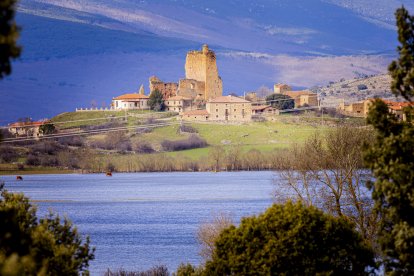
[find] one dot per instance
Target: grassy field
(266, 136)
(93, 118)
(11, 169)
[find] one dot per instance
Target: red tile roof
(294, 94)
(131, 97)
(228, 99)
(27, 124)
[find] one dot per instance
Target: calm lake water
(139, 220)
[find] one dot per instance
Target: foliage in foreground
(280, 101)
(327, 172)
(159, 270)
(9, 32)
(391, 159)
(49, 246)
(291, 239)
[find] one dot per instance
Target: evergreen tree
(280, 101)
(156, 100)
(391, 159)
(9, 33)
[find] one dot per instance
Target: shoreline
(59, 171)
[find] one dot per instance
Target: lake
(138, 220)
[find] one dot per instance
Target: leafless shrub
(187, 129)
(159, 270)
(143, 147)
(8, 154)
(208, 233)
(191, 142)
(74, 141)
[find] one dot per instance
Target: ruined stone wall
(168, 89)
(191, 88)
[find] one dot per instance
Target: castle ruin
(201, 82)
(201, 75)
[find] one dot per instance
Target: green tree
(402, 70)
(47, 129)
(280, 101)
(291, 239)
(156, 100)
(391, 159)
(9, 33)
(49, 246)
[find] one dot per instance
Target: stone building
(280, 88)
(31, 129)
(196, 115)
(130, 101)
(201, 76)
(303, 98)
(229, 108)
(178, 104)
(168, 89)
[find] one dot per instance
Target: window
(136, 104)
(234, 110)
(216, 110)
(216, 116)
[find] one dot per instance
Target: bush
(32, 160)
(143, 147)
(159, 270)
(187, 128)
(362, 87)
(188, 270)
(192, 142)
(8, 154)
(291, 239)
(46, 147)
(29, 246)
(74, 141)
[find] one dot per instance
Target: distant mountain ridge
(78, 51)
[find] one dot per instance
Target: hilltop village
(199, 96)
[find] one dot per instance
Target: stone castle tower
(201, 75)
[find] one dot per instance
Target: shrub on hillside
(8, 154)
(46, 147)
(362, 87)
(143, 147)
(32, 160)
(191, 142)
(74, 141)
(187, 129)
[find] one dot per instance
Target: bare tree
(216, 155)
(233, 157)
(327, 171)
(263, 91)
(209, 232)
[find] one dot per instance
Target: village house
(229, 108)
(399, 109)
(301, 98)
(130, 101)
(196, 115)
(264, 111)
(31, 129)
(361, 109)
(178, 104)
